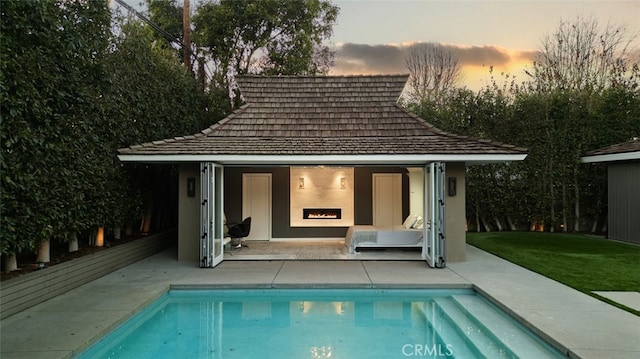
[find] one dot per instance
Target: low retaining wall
(18, 294)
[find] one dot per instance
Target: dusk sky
(372, 36)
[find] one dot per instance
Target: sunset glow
(373, 37)
(476, 61)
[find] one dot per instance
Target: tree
(257, 36)
(575, 65)
(151, 97)
(271, 37)
(275, 37)
(580, 55)
(433, 71)
(150, 92)
(167, 14)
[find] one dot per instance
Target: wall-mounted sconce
(342, 182)
(191, 186)
(301, 182)
(452, 186)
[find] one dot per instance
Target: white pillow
(419, 223)
(410, 221)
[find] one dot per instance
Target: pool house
(328, 157)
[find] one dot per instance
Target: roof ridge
(421, 120)
(231, 116)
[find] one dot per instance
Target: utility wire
(155, 26)
(164, 33)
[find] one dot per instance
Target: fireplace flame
(322, 215)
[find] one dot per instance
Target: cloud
(480, 55)
(367, 59)
(389, 58)
(528, 56)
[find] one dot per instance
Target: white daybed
(370, 236)
(409, 234)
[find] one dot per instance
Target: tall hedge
(72, 92)
(52, 79)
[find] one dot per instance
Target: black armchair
(240, 231)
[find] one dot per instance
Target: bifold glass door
(433, 248)
(211, 214)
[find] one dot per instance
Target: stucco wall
(455, 214)
(188, 215)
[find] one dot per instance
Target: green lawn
(583, 262)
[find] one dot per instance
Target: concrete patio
(579, 325)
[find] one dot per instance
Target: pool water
(321, 323)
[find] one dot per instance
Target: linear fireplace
(321, 213)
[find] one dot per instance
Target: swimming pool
(321, 323)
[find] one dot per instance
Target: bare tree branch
(433, 70)
(579, 56)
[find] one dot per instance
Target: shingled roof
(629, 150)
(319, 116)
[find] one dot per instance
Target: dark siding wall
(280, 204)
(624, 201)
(281, 196)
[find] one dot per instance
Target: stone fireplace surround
(323, 188)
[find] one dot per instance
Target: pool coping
(318, 286)
(557, 313)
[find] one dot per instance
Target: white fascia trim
(325, 159)
(626, 156)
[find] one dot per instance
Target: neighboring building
(623, 177)
(327, 143)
